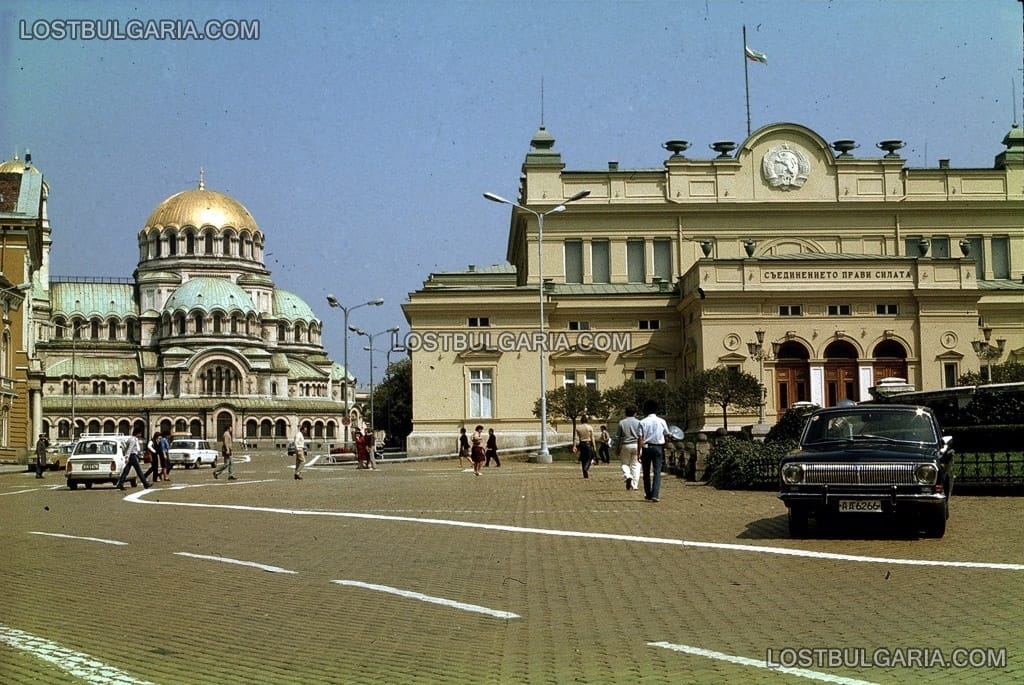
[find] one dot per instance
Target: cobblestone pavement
(528, 574)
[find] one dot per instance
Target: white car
(192, 452)
(97, 458)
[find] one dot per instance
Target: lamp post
(986, 351)
(758, 352)
(543, 456)
(333, 301)
(370, 349)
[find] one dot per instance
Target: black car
(869, 460)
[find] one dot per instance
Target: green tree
(570, 402)
(1007, 372)
(673, 401)
(392, 402)
(727, 388)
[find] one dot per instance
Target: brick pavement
(587, 607)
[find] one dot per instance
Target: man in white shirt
(655, 433)
(300, 452)
(627, 448)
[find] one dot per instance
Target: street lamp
(986, 351)
(370, 348)
(758, 352)
(333, 301)
(543, 456)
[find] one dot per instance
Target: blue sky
(361, 135)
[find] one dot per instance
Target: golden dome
(201, 207)
(17, 166)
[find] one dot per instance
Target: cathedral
(198, 339)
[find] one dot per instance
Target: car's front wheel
(73, 484)
(798, 520)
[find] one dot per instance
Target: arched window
(198, 318)
(218, 322)
(190, 243)
(112, 330)
(172, 243)
(208, 242)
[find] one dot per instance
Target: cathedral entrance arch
(792, 375)
(224, 420)
(841, 373)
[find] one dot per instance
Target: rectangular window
(839, 310)
(978, 254)
(569, 377)
(940, 248)
(639, 375)
(479, 321)
(573, 261)
(660, 375)
(950, 372)
(650, 324)
(592, 378)
(791, 310)
(635, 269)
(481, 393)
(1000, 257)
(887, 309)
(579, 325)
(600, 261)
(663, 259)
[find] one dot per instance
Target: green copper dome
(209, 294)
(291, 307)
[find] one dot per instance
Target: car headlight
(926, 474)
(793, 473)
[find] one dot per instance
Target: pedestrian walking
(371, 446)
(132, 460)
(360, 441)
(164, 452)
(604, 443)
(463, 446)
(627, 448)
(226, 453)
(300, 452)
(477, 452)
(652, 455)
(151, 454)
(41, 446)
(492, 448)
(584, 445)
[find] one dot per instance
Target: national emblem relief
(785, 168)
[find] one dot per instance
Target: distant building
(24, 243)
(847, 269)
(199, 338)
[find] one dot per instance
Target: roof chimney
(943, 163)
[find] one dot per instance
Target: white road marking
(724, 546)
(226, 560)
(427, 598)
(745, 661)
(77, 537)
(76, 663)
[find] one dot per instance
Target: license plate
(90, 467)
(871, 506)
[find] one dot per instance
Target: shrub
(742, 464)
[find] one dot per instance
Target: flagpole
(746, 76)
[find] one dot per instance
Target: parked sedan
(192, 452)
(869, 460)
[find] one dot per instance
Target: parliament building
(820, 271)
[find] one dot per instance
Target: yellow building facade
(786, 256)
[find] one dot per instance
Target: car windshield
(183, 444)
(910, 425)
